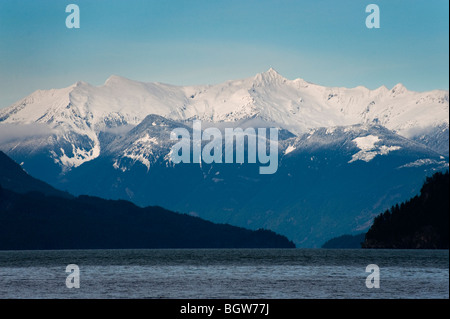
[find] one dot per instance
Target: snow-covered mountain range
(80, 112)
(344, 153)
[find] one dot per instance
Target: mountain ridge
(82, 111)
(13, 177)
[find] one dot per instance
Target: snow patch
(146, 140)
(289, 149)
(138, 157)
(367, 142)
(368, 149)
(142, 150)
(330, 130)
(425, 161)
(117, 166)
(80, 156)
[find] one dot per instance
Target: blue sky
(210, 41)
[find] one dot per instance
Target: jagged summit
(157, 120)
(270, 76)
(399, 88)
(80, 83)
(382, 88)
(271, 72)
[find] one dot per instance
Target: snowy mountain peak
(154, 120)
(272, 72)
(80, 83)
(398, 89)
(382, 89)
(270, 76)
(117, 80)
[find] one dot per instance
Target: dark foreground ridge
(34, 220)
(345, 242)
(421, 222)
(14, 178)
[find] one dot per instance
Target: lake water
(228, 273)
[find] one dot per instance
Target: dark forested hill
(36, 221)
(421, 222)
(34, 215)
(13, 177)
(345, 242)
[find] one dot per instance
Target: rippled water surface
(228, 273)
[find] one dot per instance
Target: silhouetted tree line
(421, 222)
(34, 215)
(345, 242)
(36, 221)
